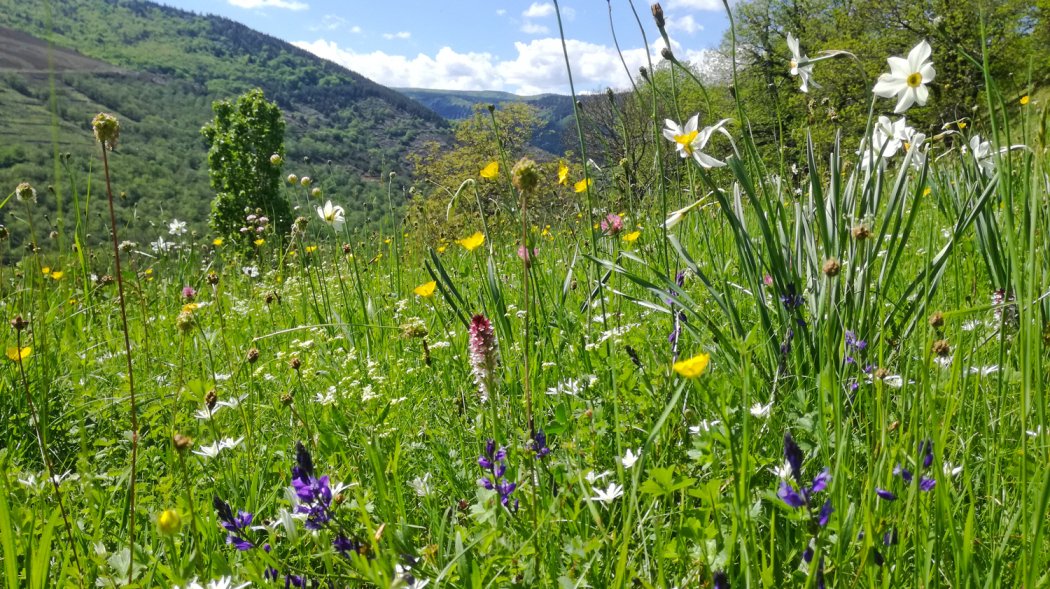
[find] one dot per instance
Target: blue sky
(476, 44)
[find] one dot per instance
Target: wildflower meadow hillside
(736, 354)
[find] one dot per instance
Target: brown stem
(131, 378)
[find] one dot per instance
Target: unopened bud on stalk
(107, 130)
(658, 15)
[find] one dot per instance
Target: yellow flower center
(915, 80)
(686, 141)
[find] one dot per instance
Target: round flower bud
(658, 15)
(832, 267)
(861, 232)
(305, 181)
(4, 233)
(107, 130)
(276, 159)
(25, 192)
(213, 278)
(18, 323)
(292, 178)
(211, 398)
(253, 355)
(524, 175)
(937, 320)
(185, 322)
(168, 522)
(296, 364)
(315, 192)
(182, 442)
(941, 348)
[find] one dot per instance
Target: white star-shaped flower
(908, 78)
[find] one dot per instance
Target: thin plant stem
(131, 376)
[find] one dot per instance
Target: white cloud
(398, 35)
(329, 22)
(538, 66)
(686, 24)
(285, 4)
(696, 4)
(355, 29)
(501, 11)
(531, 28)
(539, 10)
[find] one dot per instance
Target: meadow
(776, 368)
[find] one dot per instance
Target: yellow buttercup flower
(582, 185)
(692, 367)
(442, 248)
(563, 174)
(17, 355)
(632, 236)
(1024, 100)
(490, 171)
(169, 522)
(426, 289)
(57, 274)
(190, 307)
(217, 241)
(473, 242)
(259, 241)
(46, 270)
(311, 249)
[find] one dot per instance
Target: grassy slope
(159, 71)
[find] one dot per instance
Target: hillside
(554, 109)
(159, 69)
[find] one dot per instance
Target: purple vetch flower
(483, 354)
(539, 444)
(890, 537)
(236, 525)
(820, 574)
(344, 546)
(790, 298)
(820, 482)
(793, 455)
(790, 496)
(885, 494)
(802, 495)
(926, 449)
(495, 462)
(927, 484)
(825, 513)
(239, 543)
(314, 494)
(720, 580)
(903, 473)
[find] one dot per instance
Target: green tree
(243, 138)
(441, 169)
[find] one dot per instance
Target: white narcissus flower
(982, 153)
(690, 140)
(908, 78)
(887, 138)
(800, 65)
(177, 227)
(332, 214)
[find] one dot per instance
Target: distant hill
(555, 109)
(159, 69)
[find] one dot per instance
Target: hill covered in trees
(553, 110)
(159, 69)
